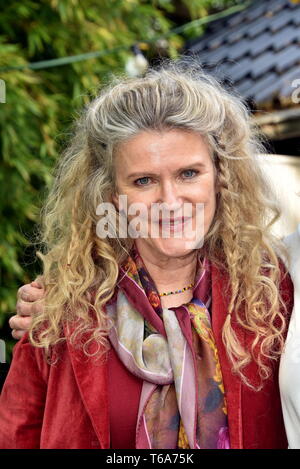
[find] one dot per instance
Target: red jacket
(66, 405)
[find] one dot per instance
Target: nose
(170, 194)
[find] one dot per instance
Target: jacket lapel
(232, 383)
(92, 379)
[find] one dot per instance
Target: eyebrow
(184, 168)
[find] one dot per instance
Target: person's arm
(23, 396)
(29, 301)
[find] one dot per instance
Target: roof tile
(256, 49)
(282, 19)
(265, 83)
(288, 57)
(287, 36)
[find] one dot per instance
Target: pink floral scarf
(173, 351)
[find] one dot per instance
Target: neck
(169, 273)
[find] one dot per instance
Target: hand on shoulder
(29, 302)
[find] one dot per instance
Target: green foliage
(41, 104)
(205, 7)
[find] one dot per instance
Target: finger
(30, 293)
(20, 323)
(11, 321)
(25, 308)
(18, 334)
(37, 283)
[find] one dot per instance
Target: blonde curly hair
(81, 269)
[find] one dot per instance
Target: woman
(289, 376)
(155, 340)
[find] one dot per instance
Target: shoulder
(292, 243)
(293, 240)
(33, 359)
(286, 288)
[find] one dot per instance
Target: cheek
(211, 199)
(137, 196)
(206, 194)
(130, 195)
(134, 197)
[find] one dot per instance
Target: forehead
(157, 149)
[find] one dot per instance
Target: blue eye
(141, 183)
(189, 171)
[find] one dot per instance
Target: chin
(174, 247)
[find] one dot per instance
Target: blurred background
(56, 54)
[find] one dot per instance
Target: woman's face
(173, 167)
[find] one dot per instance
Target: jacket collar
(232, 383)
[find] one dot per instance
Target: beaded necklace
(177, 291)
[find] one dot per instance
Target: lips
(174, 221)
(173, 225)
